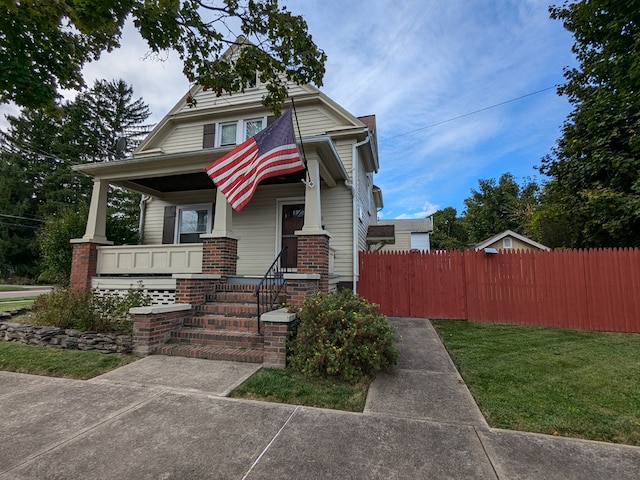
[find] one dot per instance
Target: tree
(595, 166)
(46, 43)
(37, 180)
(449, 231)
(501, 206)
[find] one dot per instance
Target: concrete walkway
(168, 417)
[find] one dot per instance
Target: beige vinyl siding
(209, 99)
(336, 218)
(187, 137)
(154, 211)
(403, 243)
(183, 138)
(256, 227)
(314, 121)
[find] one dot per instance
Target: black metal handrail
(269, 288)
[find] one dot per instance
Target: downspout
(355, 157)
(143, 209)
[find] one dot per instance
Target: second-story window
(251, 127)
(228, 134)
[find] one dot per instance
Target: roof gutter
(355, 157)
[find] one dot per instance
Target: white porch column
(312, 207)
(97, 221)
(222, 220)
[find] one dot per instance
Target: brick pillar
(298, 289)
(275, 326)
(84, 266)
(219, 256)
(313, 257)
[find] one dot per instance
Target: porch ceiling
(165, 173)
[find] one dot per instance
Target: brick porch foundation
(84, 266)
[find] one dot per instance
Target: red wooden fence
(584, 289)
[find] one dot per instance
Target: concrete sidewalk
(167, 417)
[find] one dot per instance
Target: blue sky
(416, 64)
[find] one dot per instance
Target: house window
(228, 134)
(234, 133)
(192, 220)
(507, 243)
(253, 83)
(251, 127)
(420, 241)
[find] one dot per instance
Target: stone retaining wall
(64, 338)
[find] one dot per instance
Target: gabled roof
(510, 233)
(413, 225)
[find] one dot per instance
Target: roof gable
(510, 233)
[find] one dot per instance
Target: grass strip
(53, 362)
(14, 303)
(287, 386)
(11, 288)
(559, 382)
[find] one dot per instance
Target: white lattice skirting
(161, 290)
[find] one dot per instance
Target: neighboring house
(509, 240)
(189, 234)
(408, 234)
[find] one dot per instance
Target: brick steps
(228, 338)
(229, 309)
(211, 352)
(225, 328)
(223, 322)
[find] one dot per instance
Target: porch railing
(149, 259)
(269, 287)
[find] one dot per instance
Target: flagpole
(304, 155)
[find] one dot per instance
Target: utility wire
(18, 225)
(32, 219)
(471, 113)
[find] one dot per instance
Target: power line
(32, 219)
(18, 225)
(472, 113)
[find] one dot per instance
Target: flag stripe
(266, 170)
(270, 152)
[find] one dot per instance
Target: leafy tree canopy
(499, 206)
(37, 180)
(595, 167)
(449, 230)
(45, 43)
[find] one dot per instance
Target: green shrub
(341, 335)
(86, 311)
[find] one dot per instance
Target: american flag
(268, 153)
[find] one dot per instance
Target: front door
(292, 220)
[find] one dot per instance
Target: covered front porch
(238, 247)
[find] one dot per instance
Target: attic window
(507, 243)
(253, 83)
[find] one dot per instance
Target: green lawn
(286, 386)
(559, 382)
(11, 288)
(52, 362)
(14, 303)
